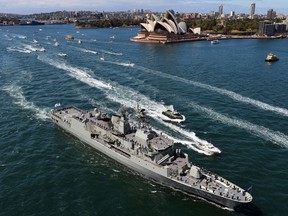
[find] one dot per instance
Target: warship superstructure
(152, 154)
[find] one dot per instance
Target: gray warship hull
(140, 165)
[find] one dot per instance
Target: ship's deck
(208, 182)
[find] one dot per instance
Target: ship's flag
(57, 105)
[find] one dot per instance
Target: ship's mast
(141, 117)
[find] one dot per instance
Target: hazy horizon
(188, 6)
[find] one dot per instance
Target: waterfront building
(266, 28)
(165, 29)
(252, 10)
(269, 28)
(280, 27)
(286, 23)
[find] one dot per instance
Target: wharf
(209, 38)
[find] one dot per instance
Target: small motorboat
(171, 115)
(214, 41)
(62, 54)
(207, 147)
(69, 37)
(271, 57)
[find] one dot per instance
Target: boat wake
(87, 51)
(18, 36)
(80, 74)
(107, 52)
(125, 64)
(19, 99)
(111, 53)
(231, 94)
(18, 49)
(197, 144)
(130, 98)
(101, 51)
(25, 48)
(265, 133)
(120, 63)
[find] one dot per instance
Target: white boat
(172, 115)
(102, 59)
(34, 41)
(271, 57)
(214, 41)
(62, 54)
(79, 41)
(129, 64)
(207, 147)
(56, 44)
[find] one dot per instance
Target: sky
(188, 6)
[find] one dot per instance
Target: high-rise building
(220, 10)
(271, 14)
(252, 10)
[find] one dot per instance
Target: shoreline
(223, 37)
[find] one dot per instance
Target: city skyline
(189, 6)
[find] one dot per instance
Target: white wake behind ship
(150, 153)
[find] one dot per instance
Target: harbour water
(229, 95)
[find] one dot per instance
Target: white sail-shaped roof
(170, 16)
(182, 27)
(147, 27)
(155, 18)
(172, 24)
(165, 25)
(167, 22)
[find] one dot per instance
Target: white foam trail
(125, 64)
(125, 96)
(265, 133)
(187, 143)
(18, 36)
(87, 51)
(17, 49)
(79, 74)
(111, 53)
(231, 94)
(120, 63)
(111, 62)
(188, 134)
(130, 98)
(33, 48)
(102, 51)
(16, 92)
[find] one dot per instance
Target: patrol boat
(152, 154)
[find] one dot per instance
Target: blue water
(229, 95)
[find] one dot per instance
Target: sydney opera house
(165, 29)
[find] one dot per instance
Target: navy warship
(152, 154)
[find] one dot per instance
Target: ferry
(271, 57)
